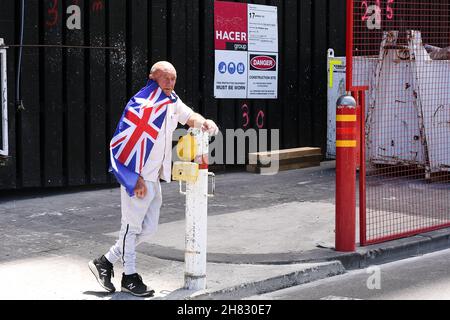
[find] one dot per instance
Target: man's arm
(198, 121)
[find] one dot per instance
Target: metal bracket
(181, 188)
(4, 161)
(213, 184)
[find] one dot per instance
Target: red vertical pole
(362, 170)
(349, 46)
(346, 144)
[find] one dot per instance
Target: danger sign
(262, 62)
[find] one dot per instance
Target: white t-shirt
(159, 163)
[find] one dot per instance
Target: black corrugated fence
(75, 83)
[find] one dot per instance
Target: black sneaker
(133, 284)
(103, 271)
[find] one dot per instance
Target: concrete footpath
(265, 233)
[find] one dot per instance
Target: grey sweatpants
(140, 219)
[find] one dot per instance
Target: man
(155, 111)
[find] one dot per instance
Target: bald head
(162, 66)
(165, 75)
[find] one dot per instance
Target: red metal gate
(398, 58)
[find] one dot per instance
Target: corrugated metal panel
(73, 96)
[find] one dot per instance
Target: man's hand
(210, 127)
(197, 121)
(141, 189)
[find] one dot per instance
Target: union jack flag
(137, 132)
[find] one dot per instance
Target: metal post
(196, 218)
(346, 144)
(3, 101)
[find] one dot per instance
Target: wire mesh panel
(399, 52)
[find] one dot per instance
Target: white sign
(262, 75)
(262, 28)
(246, 43)
(231, 74)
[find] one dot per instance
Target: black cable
(59, 46)
(19, 102)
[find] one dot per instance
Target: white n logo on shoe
(104, 272)
(131, 286)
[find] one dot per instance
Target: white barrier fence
(408, 104)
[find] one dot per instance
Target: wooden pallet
(288, 159)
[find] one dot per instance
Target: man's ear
(155, 75)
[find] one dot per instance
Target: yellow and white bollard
(196, 175)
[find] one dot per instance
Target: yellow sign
(333, 62)
(185, 171)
